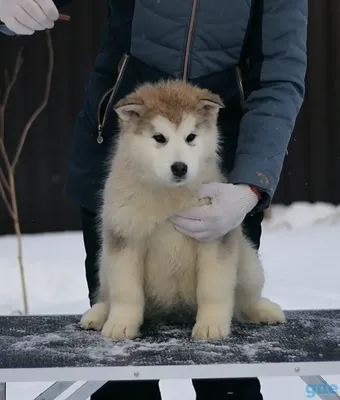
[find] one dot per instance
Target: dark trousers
(206, 389)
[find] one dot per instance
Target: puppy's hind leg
(250, 306)
(216, 279)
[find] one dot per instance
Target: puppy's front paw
(210, 331)
(95, 317)
(120, 330)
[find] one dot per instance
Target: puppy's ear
(211, 103)
(130, 107)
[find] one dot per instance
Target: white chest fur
(170, 269)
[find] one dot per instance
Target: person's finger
(189, 225)
(200, 236)
(49, 9)
(195, 213)
(38, 15)
(25, 19)
(15, 26)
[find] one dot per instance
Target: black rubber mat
(58, 341)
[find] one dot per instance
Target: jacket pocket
(106, 101)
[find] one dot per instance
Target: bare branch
(2, 122)
(10, 82)
(3, 180)
(64, 17)
(38, 111)
(19, 237)
(4, 198)
(8, 183)
(4, 155)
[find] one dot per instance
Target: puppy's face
(169, 131)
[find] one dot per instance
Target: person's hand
(24, 17)
(229, 206)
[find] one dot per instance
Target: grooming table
(54, 348)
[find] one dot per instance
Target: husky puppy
(167, 147)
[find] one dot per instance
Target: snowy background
(300, 252)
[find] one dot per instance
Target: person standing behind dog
(252, 53)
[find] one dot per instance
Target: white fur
(156, 268)
(154, 165)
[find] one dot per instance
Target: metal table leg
(2, 390)
(54, 391)
(316, 384)
(86, 390)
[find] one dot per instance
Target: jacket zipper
(113, 91)
(240, 85)
(189, 38)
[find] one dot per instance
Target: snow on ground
(300, 253)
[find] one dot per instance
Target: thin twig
(3, 180)
(64, 17)
(2, 123)
(9, 86)
(10, 82)
(38, 111)
(4, 198)
(4, 155)
(19, 238)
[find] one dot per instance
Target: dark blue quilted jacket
(256, 64)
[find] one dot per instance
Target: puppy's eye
(190, 138)
(160, 138)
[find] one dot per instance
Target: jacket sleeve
(277, 68)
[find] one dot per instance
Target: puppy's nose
(179, 169)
